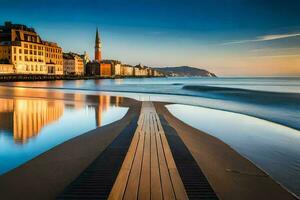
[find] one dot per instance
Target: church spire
(97, 47)
(97, 41)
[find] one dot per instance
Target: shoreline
(230, 174)
(43, 77)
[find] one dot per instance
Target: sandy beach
(230, 175)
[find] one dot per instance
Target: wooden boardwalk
(148, 170)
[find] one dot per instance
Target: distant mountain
(185, 71)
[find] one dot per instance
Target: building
(73, 64)
(23, 48)
(111, 68)
(105, 70)
(92, 69)
(54, 58)
(98, 52)
(117, 69)
(140, 70)
(86, 59)
(126, 70)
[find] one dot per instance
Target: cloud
(263, 38)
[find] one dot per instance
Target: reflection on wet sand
(25, 118)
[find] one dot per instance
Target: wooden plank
(167, 188)
(156, 188)
(119, 186)
(132, 187)
(145, 184)
(177, 183)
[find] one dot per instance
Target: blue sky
(228, 37)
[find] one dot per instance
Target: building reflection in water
(25, 118)
(102, 103)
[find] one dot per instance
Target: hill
(185, 71)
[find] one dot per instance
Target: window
(20, 58)
(30, 46)
(20, 50)
(25, 51)
(25, 45)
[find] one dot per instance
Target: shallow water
(272, 147)
(282, 106)
(30, 126)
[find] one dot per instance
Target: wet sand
(230, 175)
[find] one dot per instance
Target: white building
(73, 64)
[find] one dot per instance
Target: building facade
(53, 58)
(73, 64)
(126, 70)
(23, 48)
(105, 69)
(92, 69)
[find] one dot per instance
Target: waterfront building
(92, 68)
(54, 58)
(117, 69)
(111, 68)
(126, 70)
(86, 58)
(140, 70)
(73, 64)
(23, 48)
(105, 69)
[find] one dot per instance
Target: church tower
(98, 56)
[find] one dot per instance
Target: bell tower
(98, 56)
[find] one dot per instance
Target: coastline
(231, 175)
(29, 78)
